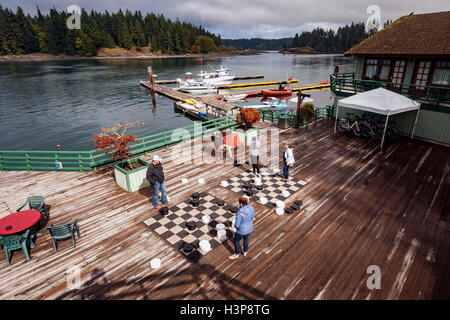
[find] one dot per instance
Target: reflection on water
(43, 104)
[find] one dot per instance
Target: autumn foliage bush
(116, 142)
(307, 112)
(247, 117)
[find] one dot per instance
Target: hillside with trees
(318, 40)
(48, 33)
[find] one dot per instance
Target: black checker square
(182, 234)
(186, 216)
(197, 233)
(172, 227)
(273, 186)
(155, 225)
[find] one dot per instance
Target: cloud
(252, 18)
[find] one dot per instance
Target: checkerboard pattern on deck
(272, 187)
(172, 227)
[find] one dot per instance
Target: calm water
(43, 104)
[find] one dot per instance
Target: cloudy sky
(252, 18)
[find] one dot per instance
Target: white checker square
(173, 239)
(161, 230)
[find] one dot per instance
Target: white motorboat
(196, 87)
(275, 103)
(305, 100)
(235, 97)
(220, 76)
(256, 106)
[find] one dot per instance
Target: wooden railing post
(2, 167)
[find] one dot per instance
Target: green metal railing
(273, 116)
(90, 160)
(45, 160)
(346, 84)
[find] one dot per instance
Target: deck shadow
(98, 287)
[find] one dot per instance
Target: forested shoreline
(22, 34)
(318, 40)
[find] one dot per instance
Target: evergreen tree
(56, 32)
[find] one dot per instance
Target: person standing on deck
(244, 226)
(254, 155)
(217, 140)
(288, 158)
(155, 175)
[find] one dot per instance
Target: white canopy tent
(380, 101)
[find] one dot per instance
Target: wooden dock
(363, 206)
(237, 78)
(213, 107)
(305, 88)
(312, 87)
(256, 84)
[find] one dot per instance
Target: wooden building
(410, 56)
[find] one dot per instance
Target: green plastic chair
(36, 203)
(63, 232)
(17, 242)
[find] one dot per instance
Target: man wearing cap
(155, 175)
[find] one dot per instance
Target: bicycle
(350, 124)
(373, 126)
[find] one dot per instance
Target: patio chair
(17, 242)
(63, 232)
(36, 203)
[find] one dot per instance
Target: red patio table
(232, 140)
(19, 221)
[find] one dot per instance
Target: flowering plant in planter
(115, 141)
(247, 117)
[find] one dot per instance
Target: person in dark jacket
(217, 140)
(244, 226)
(155, 175)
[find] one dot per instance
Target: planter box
(132, 180)
(247, 135)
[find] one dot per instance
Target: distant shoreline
(40, 57)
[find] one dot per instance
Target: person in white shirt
(254, 155)
(288, 159)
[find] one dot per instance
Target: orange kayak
(272, 93)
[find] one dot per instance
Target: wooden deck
(363, 206)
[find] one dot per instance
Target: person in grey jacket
(244, 226)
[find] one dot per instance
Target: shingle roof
(422, 35)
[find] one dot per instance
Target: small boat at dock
(196, 87)
(220, 76)
(276, 93)
(197, 110)
(235, 97)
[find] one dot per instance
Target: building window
(422, 73)
(398, 72)
(378, 69)
(441, 74)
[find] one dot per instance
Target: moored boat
(235, 97)
(196, 87)
(276, 93)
